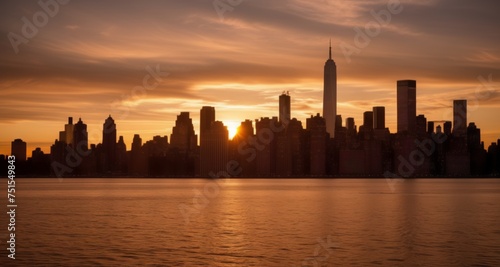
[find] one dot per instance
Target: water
(118, 222)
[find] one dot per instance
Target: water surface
(256, 222)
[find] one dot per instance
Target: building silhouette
(66, 136)
(207, 118)
(121, 156)
(109, 145)
(297, 137)
(330, 94)
(379, 118)
(460, 118)
(350, 126)
(183, 137)
(242, 151)
(80, 136)
(183, 146)
(316, 127)
(216, 147)
(368, 119)
(447, 128)
(137, 159)
(406, 105)
(283, 153)
(284, 108)
(18, 149)
(266, 146)
(421, 126)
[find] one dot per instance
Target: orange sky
(88, 59)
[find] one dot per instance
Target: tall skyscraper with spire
(330, 94)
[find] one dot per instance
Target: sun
(232, 128)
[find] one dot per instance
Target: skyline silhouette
(281, 146)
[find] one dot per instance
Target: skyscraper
(407, 105)
(368, 120)
(421, 125)
(460, 118)
(138, 160)
(109, 144)
(284, 116)
(121, 155)
(68, 132)
(266, 154)
(330, 94)
(183, 137)
(80, 136)
(216, 146)
(317, 143)
(18, 149)
(207, 118)
(379, 118)
(247, 161)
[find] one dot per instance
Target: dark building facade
(406, 105)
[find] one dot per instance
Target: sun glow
(232, 128)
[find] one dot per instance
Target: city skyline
(237, 64)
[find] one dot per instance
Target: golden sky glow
(88, 58)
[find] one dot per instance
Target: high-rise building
(316, 127)
(80, 136)
(366, 129)
(18, 149)
(138, 163)
(368, 120)
(239, 143)
(266, 151)
(207, 118)
(349, 124)
(460, 118)
(67, 136)
(298, 143)
(330, 94)
(473, 137)
(283, 154)
(216, 146)
(245, 130)
(430, 127)
(447, 128)
(121, 155)
(109, 144)
(407, 105)
(421, 125)
(378, 118)
(136, 143)
(284, 106)
(183, 137)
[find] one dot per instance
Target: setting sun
(232, 128)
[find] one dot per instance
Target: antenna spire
(330, 48)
